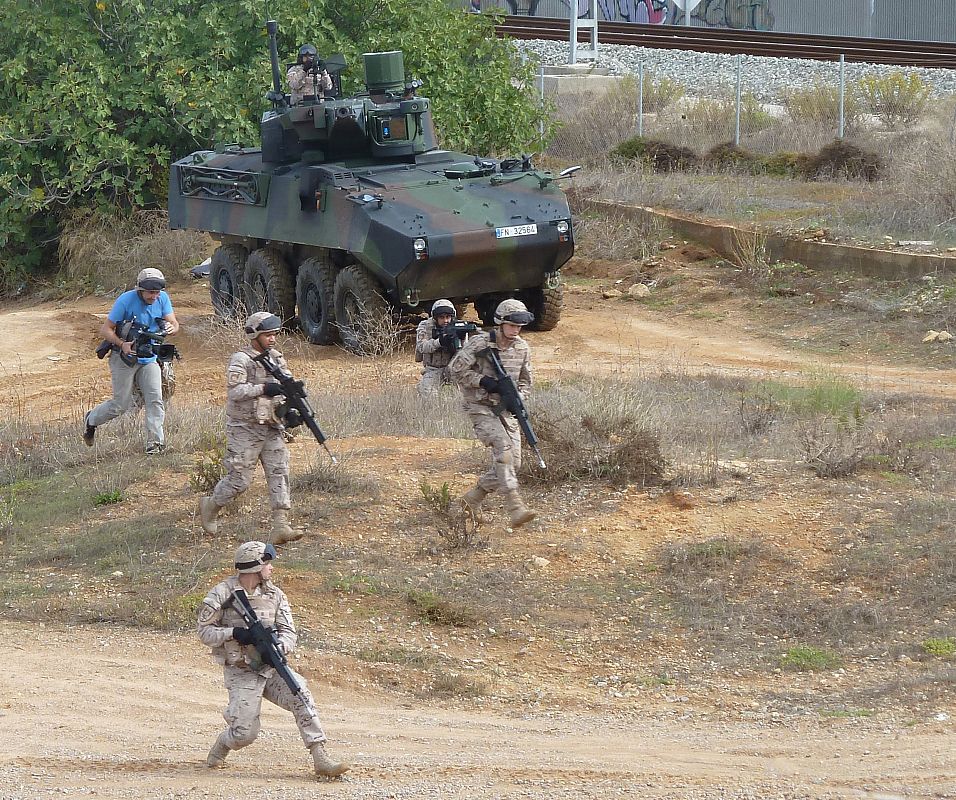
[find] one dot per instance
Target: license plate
(516, 230)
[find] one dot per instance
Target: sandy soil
(102, 712)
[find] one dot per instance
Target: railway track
(759, 43)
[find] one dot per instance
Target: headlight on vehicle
(563, 226)
(564, 230)
(421, 249)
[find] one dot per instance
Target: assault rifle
(453, 334)
(511, 401)
(298, 410)
(266, 643)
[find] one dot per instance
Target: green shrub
(783, 164)
(209, 466)
(897, 99)
(804, 658)
(940, 647)
(437, 498)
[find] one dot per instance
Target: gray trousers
(246, 690)
(148, 378)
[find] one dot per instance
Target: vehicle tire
(361, 312)
(546, 305)
(225, 280)
(315, 293)
(268, 284)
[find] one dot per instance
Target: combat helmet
(252, 556)
(307, 50)
(150, 280)
(261, 322)
(513, 311)
(443, 307)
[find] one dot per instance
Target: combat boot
(282, 531)
(519, 513)
(208, 511)
(217, 756)
(473, 498)
(325, 767)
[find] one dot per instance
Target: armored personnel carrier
(350, 211)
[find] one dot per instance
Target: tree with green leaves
(97, 97)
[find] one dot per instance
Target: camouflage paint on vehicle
(363, 178)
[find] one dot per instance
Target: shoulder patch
(207, 613)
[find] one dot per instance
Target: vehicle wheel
(546, 305)
(315, 293)
(268, 284)
(361, 311)
(225, 280)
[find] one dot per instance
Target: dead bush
(728, 156)
(835, 448)
(842, 159)
(661, 156)
(614, 450)
(820, 104)
(106, 250)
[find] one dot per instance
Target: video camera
(453, 335)
(146, 345)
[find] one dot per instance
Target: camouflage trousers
(433, 378)
(245, 446)
(503, 436)
(247, 688)
(147, 378)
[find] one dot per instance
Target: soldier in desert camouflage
(248, 680)
(472, 371)
(434, 354)
(253, 431)
(305, 79)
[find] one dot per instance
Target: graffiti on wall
(648, 12)
(740, 14)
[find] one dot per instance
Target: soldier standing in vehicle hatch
(305, 80)
(473, 372)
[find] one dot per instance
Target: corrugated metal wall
(931, 20)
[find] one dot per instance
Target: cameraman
(435, 353)
(147, 305)
(306, 79)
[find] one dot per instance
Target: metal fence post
(640, 99)
(737, 121)
(541, 97)
(842, 96)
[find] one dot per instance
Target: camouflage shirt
(300, 83)
(217, 618)
(428, 350)
(469, 366)
(244, 379)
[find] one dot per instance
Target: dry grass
(104, 252)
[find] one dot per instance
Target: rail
(939, 55)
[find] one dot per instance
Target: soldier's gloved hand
(297, 386)
(490, 385)
(272, 389)
(242, 635)
(448, 341)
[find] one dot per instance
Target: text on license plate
(515, 230)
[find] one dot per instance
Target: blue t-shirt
(130, 305)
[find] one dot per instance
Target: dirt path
(93, 712)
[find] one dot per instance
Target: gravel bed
(715, 74)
